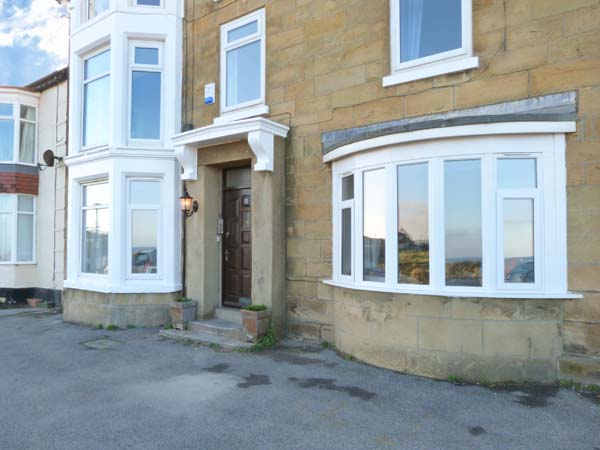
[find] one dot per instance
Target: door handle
(226, 255)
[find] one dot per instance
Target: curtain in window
(411, 23)
(25, 237)
(5, 236)
(27, 147)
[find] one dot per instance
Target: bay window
(243, 62)
(96, 85)
(470, 216)
(18, 133)
(17, 228)
(95, 228)
(428, 38)
(146, 91)
(144, 224)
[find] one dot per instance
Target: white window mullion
(436, 223)
(358, 221)
(488, 223)
(391, 238)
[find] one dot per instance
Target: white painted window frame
(337, 219)
(129, 228)
(433, 65)
(16, 118)
(84, 82)
(157, 68)
(86, 11)
(82, 208)
(253, 107)
(549, 214)
(15, 213)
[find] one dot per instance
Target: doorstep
(211, 332)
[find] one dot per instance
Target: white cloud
(43, 24)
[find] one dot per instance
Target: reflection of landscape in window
(95, 251)
(462, 216)
(518, 241)
(413, 225)
(374, 226)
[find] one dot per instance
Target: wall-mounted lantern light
(188, 205)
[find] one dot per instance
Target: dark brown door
(237, 247)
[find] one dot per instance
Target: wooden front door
(237, 247)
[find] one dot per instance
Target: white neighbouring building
(124, 246)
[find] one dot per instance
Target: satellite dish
(49, 158)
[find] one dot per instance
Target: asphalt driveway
(69, 387)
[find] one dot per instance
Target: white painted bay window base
(509, 241)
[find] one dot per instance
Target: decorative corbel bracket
(262, 144)
(188, 158)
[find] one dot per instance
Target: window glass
(348, 187)
(462, 197)
(6, 109)
(95, 229)
(95, 194)
(518, 240)
(347, 241)
(27, 144)
(5, 230)
(97, 65)
(413, 224)
(374, 226)
(25, 203)
(517, 173)
(148, 2)
(242, 32)
(144, 192)
(238, 178)
(244, 74)
(95, 7)
(145, 105)
(28, 113)
(7, 139)
(144, 232)
(429, 27)
(25, 237)
(96, 100)
(145, 55)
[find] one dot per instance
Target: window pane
(6, 109)
(516, 173)
(148, 2)
(145, 105)
(428, 27)
(243, 31)
(243, 74)
(238, 178)
(348, 187)
(144, 193)
(97, 65)
(95, 7)
(144, 229)
(95, 241)
(5, 234)
(518, 240)
(95, 194)
(144, 55)
(27, 145)
(7, 140)
(27, 112)
(462, 194)
(25, 237)
(347, 241)
(413, 224)
(374, 225)
(25, 203)
(95, 112)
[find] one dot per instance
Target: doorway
(237, 237)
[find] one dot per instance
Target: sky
(34, 40)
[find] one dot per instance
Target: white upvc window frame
(82, 209)
(16, 119)
(337, 220)
(441, 63)
(157, 68)
(129, 207)
(257, 106)
(86, 11)
(549, 214)
(15, 213)
(84, 82)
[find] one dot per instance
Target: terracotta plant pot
(183, 313)
(256, 323)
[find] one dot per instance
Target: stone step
(229, 314)
(205, 339)
(218, 327)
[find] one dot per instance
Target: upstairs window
(96, 86)
(428, 38)
(146, 92)
(243, 62)
(147, 2)
(96, 7)
(17, 229)
(18, 133)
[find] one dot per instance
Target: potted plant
(183, 311)
(256, 320)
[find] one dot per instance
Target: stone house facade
(384, 129)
